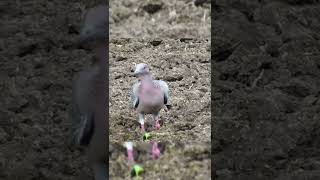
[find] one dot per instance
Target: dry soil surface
(38, 63)
(186, 69)
(266, 89)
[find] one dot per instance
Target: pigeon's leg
(141, 121)
(156, 119)
(155, 150)
(130, 155)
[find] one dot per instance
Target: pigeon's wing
(165, 89)
(134, 95)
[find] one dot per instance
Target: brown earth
(159, 19)
(173, 38)
(266, 89)
(185, 67)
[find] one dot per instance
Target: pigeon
(149, 96)
(89, 98)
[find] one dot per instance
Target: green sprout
(137, 170)
(146, 136)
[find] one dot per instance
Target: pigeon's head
(141, 69)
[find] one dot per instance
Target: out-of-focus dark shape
(95, 27)
(90, 93)
(201, 2)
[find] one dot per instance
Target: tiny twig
(254, 84)
(204, 16)
(191, 86)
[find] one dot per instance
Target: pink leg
(130, 155)
(142, 127)
(155, 151)
(157, 124)
(141, 121)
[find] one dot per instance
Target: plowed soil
(38, 63)
(266, 89)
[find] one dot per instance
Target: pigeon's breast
(151, 100)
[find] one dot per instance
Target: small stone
(156, 42)
(152, 7)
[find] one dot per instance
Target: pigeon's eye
(144, 67)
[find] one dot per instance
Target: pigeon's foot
(156, 155)
(155, 151)
(142, 128)
(130, 155)
(157, 125)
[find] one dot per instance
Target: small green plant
(137, 170)
(146, 136)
